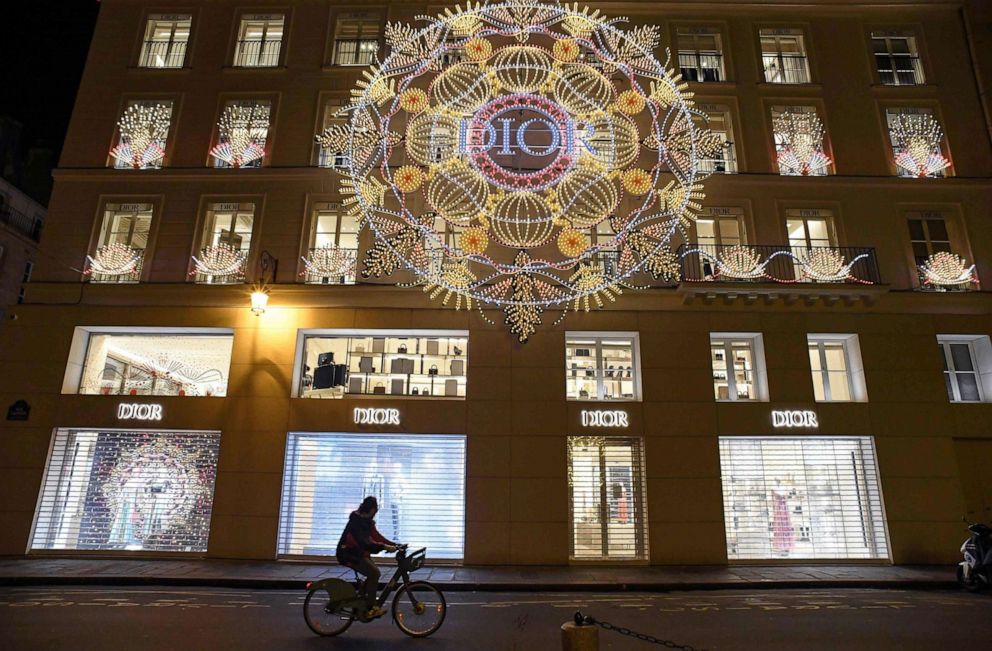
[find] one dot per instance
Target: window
(835, 363)
(121, 243)
(424, 364)
(28, 270)
(259, 41)
(225, 243)
(809, 228)
(356, 39)
(418, 479)
(802, 498)
(738, 366)
(607, 510)
(897, 59)
(242, 133)
(800, 145)
(919, 147)
(928, 235)
(166, 38)
(783, 56)
(324, 157)
(142, 134)
(149, 362)
(700, 54)
(333, 253)
(720, 123)
(967, 364)
(602, 366)
(121, 490)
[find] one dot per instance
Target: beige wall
(515, 416)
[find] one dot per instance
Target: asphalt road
(125, 619)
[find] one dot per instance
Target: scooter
(975, 571)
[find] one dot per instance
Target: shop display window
(601, 367)
(115, 490)
(608, 513)
(418, 480)
(162, 362)
(802, 498)
(431, 365)
(738, 366)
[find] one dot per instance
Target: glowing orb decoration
(526, 145)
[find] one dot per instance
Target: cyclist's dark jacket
(360, 540)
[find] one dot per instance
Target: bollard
(576, 636)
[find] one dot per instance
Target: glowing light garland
(743, 263)
(917, 140)
(801, 152)
(114, 259)
(144, 129)
(943, 269)
(330, 261)
(525, 146)
(242, 134)
(220, 260)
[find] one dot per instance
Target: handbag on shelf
(582, 352)
(359, 348)
(433, 345)
(397, 365)
(432, 370)
(590, 373)
(458, 351)
(402, 349)
(458, 367)
(415, 391)
(378, 344)
(365, 365)
(396, 387)
(451, 387)
(379, 388)
(355, 385)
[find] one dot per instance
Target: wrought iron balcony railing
(899, 70)
(163, 54)
(257, 53)
(741, 263)
(330, 265)
(946, 272)
(115, 264)
(220, 264)
(781, 68)
(701, 66)
(27, 226)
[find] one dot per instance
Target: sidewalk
(294, 575)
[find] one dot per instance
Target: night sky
(44, 48)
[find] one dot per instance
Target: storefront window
(427, 365)
(419, 481)
(606, 498)
(601, 367)
(122, 363)
(738, 366)
(109, 490)
(802, 498)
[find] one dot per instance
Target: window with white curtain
(802, 498)
(166, 38)
(418, 480)
(608, 512)
(127, 490)
(837, 371)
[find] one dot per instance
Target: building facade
(21, 221)
(814, 383)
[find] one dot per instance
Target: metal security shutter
(418, 479)
(802, 498)
(607, 509)
(127, 490)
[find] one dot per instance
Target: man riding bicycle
(359, 541)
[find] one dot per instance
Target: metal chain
(581, 619)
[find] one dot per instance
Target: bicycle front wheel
(419, 609)
(322, 615)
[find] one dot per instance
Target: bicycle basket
(415, 561)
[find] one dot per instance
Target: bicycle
(418, 609)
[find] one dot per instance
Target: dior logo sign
(794, 419)
(599, 418)
(127, 411)
(376, 416)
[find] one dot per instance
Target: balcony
(946, 272)
(219, 264)
(778, 271)
(701, 66)
(726, 163)
(163, 54)
(899, 70)
(29, 227)
(783, 68)
(115, 264)
(330, 265)
(257, 53)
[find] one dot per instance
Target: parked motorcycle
(975, 571)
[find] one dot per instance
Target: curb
(461, 586)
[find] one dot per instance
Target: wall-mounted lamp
(259, 301)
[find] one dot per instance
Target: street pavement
(193, 618)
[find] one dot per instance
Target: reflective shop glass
(802, 498)
(600, 368)
(156, 364)
(111, 490)
(606, 498)
(419, 481)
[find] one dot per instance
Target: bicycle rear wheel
(322, 615)
(419, 609)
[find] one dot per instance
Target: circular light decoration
(522, 148)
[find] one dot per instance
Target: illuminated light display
(329, 261)
(114, 259)
(220, 260)
(944, 269)
(743, 263)
(604, 418)
(794, 418)
(917, 139)
(801, 151)
(243, 131)
(144, 129)
(524, 148)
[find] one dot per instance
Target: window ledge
(812, 85)
(903, 87)
(787, 293)
(280, 67)
(159, 69)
